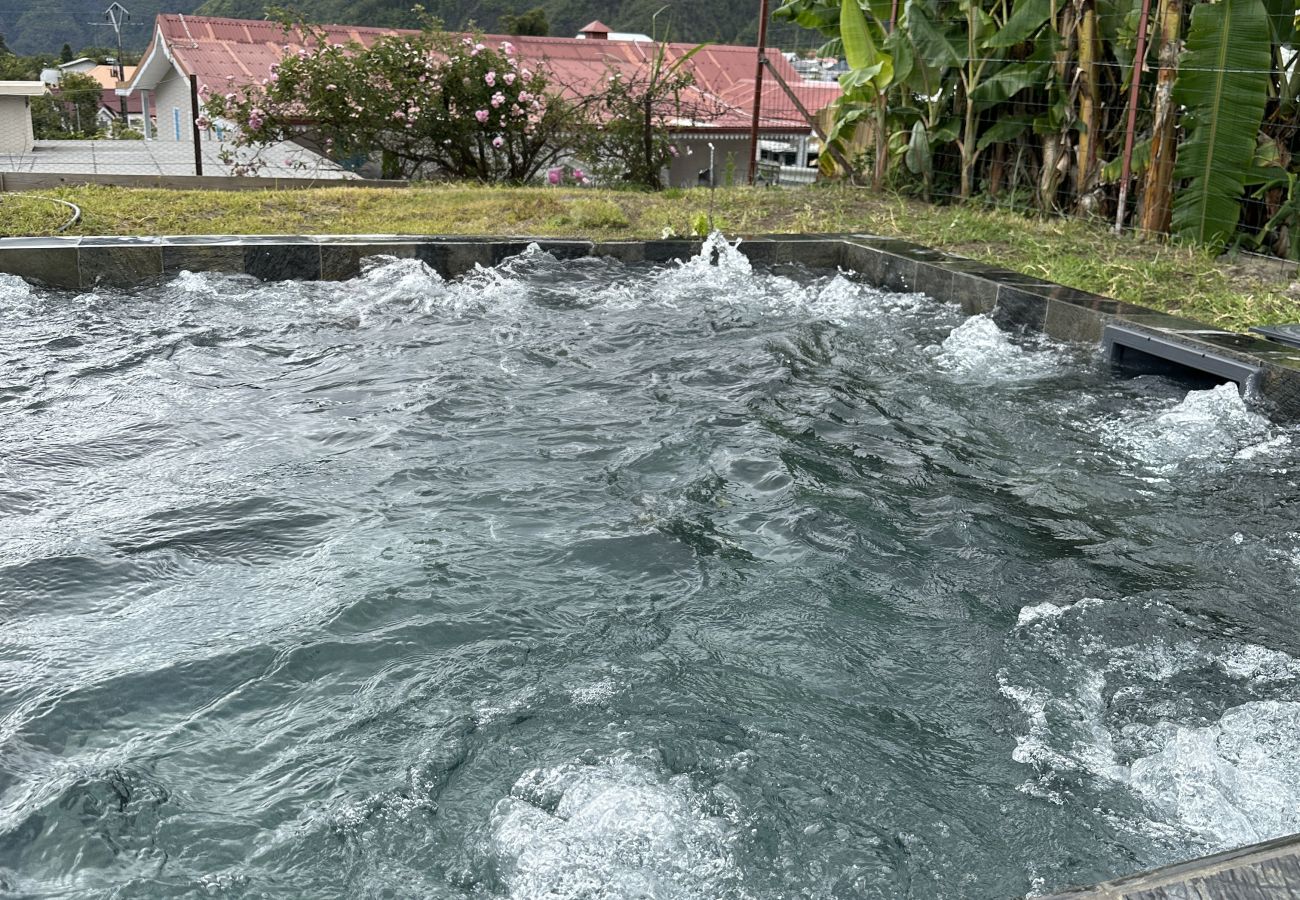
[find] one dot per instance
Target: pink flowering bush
(432, 105)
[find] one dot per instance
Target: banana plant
(1223, 83)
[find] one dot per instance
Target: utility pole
(758, 90)
(117, 16)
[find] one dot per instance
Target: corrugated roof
(218, 50)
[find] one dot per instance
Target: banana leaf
(1005, 130)
(1027, 16)
(935, 46)
(868, 65)
(1223, 82)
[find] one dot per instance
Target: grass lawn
(1225, 292)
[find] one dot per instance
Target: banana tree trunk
(1086, 171)
(882, 142)
(1158, 192)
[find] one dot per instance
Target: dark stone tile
(503, 250)
(202, 258)
(1280, 388)
(975, 294)
(119, 266)
(567, 249)
(816, 254)
(188, 240)
(339, 262)
(764, 252)
(896, 273)
(54, 266)
(862, 259)
(935, 281)
(666, 251)
(120, 241)
(1018, 308)
(452, 259)
(623, 251)
(1073, 322)
(1148, 318)
(281, 262)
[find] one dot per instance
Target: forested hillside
(44, 26)
(728, 21)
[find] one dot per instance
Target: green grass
(1177, 279)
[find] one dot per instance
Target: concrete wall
(15, 124)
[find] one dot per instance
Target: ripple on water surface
(572, 579)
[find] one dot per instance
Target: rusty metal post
(758, 90)
(1138, 59)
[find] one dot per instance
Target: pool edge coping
(1015, 301)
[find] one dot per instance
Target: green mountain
(727, 21)
(44, 26)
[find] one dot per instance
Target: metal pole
(812, 122)
(758, 90)
(194, 124)
(1135, 82)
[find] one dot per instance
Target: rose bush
(429, 105)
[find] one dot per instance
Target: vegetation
(44, 26)
(1029, 99)
(1180, 279)
(447, 106)
(69, 112)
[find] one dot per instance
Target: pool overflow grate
(1283, 334)
(1139, 353)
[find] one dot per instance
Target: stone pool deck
(1012, 299)
(1267, 871)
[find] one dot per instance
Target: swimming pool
(586, 579)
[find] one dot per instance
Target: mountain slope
(727, 21)
(43, 26)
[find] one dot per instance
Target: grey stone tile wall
(1014, 300)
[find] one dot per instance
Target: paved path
(109, 157)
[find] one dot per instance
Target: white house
(16, 115)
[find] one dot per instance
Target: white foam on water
(1225, 782)
(622, 828)
(1207, 429)
(719, 261)
(978, 351)
(14, 289)
(1236, 781)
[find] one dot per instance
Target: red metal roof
(217, 50)
(595, 27)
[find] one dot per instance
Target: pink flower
(508, 78)
(481, 115)
(398, 114)
(577, 173)
(507, 48)
(202, 122)
(524, 96)
(491, 79)
(672, 151)
(554, 176)
(516, 110)
(498, 141)
(497, 99)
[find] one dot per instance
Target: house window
(176, 121)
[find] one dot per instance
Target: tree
(65, 55)
(630, 139)
(432, 105)
(70, 110)
(532, 23)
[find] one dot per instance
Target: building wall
(15, 125)
(171, 105)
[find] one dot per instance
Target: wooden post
(1135, 82)
(758, 90)
(194, 124)
(1089, 107)
(1158, 193)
